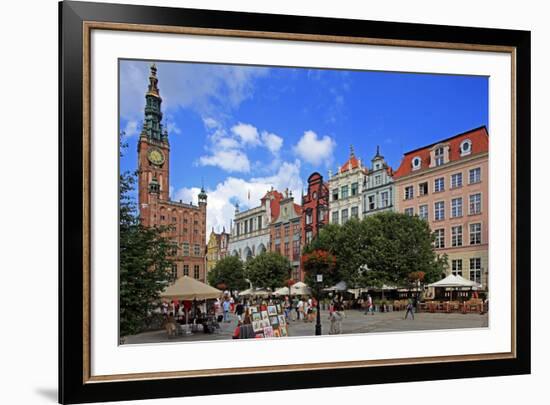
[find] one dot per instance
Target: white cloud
(248, 134)
(314, 150)
(272, 142)
(204, 88)
(232, 160)
(220, 208)
(227, 149)
(131, 128)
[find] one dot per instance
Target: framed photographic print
(268, 332)
(274, 321)
(209, 160)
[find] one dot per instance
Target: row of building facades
(445, 183)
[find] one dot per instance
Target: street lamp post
(318, 324)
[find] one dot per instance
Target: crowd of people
(227, 309)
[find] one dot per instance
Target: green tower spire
(152, 125)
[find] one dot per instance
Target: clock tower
(185, 222)
(153, 154)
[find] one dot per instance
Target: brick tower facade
(188, 221)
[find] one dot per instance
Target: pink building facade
(446, 184)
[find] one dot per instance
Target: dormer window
(416, 163)
(439, 157)
(465, 147)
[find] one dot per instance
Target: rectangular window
(245, 226)
(196, 271)
(344, 191)
(378, 180)
(355, 212)
(409, 192)
(309, 237)
(197, 250)
(439, 160)
(335, 217)
(174, 249)
(371, 205)
(309, 216)
(287, 230)
(475, 269)
(278, 247)
(296, 230)
(456, 207)
(439, 211)
(287, 249)
(409, 211)
(475, 175)
(354, 188)
(384, 199)
(475, 234)
(185, 269)
(260, 222)
(456, 236)
(439, 238)
(174, 271)
(335, 194)
(423, 212)
(456, 180)
(296, 250)
(439, 184)
(423, 188)
(278, 231)
(344, 216)
(185, 248)
(475, 204)
(456, 266)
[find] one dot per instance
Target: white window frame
(455, 176)
(436, 190)
(456, 211)
(457, 237)
(478, 240)
(475, 204)
(409, 195)
(439, 211)
(475, 169)
(422, 215)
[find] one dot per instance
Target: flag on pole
(248, 195)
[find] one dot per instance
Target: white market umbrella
(454, 282)
(187, 289)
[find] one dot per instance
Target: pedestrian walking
(410, 309)
(226, 308)
(369, 305)
(336, 318)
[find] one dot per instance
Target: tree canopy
(384, 248)
(228, 274)
(268, 270)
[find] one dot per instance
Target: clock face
(156, 157)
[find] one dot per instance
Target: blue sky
(243, 129)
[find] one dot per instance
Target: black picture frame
(73, 387)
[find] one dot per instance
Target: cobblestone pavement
(354, 322)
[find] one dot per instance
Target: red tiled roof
(354, 164)
(480, 143)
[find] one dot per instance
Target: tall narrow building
(188, 220)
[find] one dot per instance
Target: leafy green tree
(268, 270)
(381, 249)
(397, 245)
(144, 268)
(228, 274)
